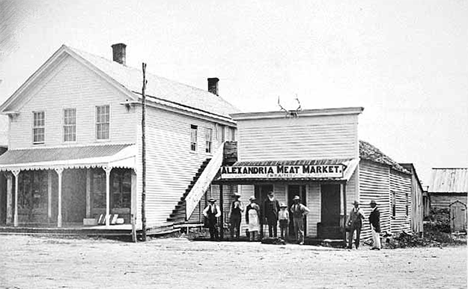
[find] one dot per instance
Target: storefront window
(98, 182)
(121, 188)
(32, 188)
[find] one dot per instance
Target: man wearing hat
(270, 212)
(374, 220)
(298, 211)
(212, 212)
(235, 214)
(355, 224)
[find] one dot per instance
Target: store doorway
(261, 193)
(330, 212)
(296, 190)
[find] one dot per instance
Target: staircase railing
(203, 182)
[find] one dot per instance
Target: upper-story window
(193, 137)
(69, 125)
(102, 122)
(208, 139)
(39, 127)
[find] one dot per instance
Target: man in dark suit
(270, 210)
(374, 220)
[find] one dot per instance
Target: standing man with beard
(270, 208)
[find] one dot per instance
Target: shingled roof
(160, 88)
(449, 180)
(373, 154)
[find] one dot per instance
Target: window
(407, 205)
(121, 188)
(193, 137)
(69, 124)
(223, 133)
(98, 187)
(102, 122)
(393, 204)
(39, 127)
(208, 139)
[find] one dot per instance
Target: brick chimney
(118, 53)
(213, 85)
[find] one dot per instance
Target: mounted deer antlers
(293, 112)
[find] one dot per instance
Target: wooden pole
(143, 153)
(343, 185)
(222, 211)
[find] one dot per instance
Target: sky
(405, 62)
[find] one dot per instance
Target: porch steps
(178, 213)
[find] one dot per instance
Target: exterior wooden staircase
(178, 214)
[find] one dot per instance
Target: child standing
(283, 217)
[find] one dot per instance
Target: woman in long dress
(252, 214)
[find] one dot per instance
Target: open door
(329, 227)
(296, 190)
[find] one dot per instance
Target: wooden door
(458, 217)
(74, 196)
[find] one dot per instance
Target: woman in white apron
(252, 218)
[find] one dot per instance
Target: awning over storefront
(292, 170)
(117, 156)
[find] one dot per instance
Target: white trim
(303, 113)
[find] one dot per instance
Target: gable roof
(449, 180)
(159, 90)
(373, 154)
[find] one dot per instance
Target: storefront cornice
(302, 113)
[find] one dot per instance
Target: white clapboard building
(74, 151)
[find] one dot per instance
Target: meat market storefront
(314, 156)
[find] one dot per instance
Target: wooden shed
(447, 186)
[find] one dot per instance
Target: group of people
(273, 212)
(354, 225)
(269, 214)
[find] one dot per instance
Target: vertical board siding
(443, 201)
(314, 203)
(72, 86)
(314, 138)
(374, 184)
(401, 184)
(417, 206)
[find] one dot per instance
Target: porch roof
(349, 164)
(121, 155)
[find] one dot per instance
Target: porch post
(108, 171)
(15, 217)
(343, 192)
(49, 196)
(59, 214)
(88, 193)
(9, 199)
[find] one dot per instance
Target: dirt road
(41, 262)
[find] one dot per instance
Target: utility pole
(143, 153)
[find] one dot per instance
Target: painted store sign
(283, 171)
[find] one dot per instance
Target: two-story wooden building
(316, 155)
(74, 151)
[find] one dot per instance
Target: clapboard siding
(72, 85)
(443, 201)
(314, 203)
(314, 138)
(171, 165)
(400, 184)
(374, 184)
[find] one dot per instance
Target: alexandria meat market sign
(283, 171)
